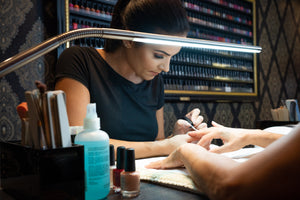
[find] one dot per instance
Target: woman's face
(148, 60)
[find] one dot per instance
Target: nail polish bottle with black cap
(130, 178)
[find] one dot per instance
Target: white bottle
(96, 155)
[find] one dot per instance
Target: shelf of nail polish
(81, 22)
(219, 25)
(221, 66)
(88, 42)
(193, 56)
(198, 86)
(93, 15)
(209, 10)
(215, 8)
(222, 53)
(213, 79)
(110, 2)
(89, 13)
(214, 35)
(212, 61)
(91, 4)
(208, 73)
(234, 5)
(91, 9)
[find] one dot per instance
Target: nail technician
(124, 79)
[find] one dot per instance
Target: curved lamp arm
(33, 53)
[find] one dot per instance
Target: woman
(124, 79)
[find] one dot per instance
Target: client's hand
(172, 161)
(183, 155)
(233, 138)
(182, 126)
(174, 142)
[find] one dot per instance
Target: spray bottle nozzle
(91, 111)
(91, 121)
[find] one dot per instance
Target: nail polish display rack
(195, 74)
(198, 74)
(93, 13)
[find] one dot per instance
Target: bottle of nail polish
(111, 163)
(130, 179)
(71, 5)
(119, 169)
(76, 6)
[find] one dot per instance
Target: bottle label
(96, 167)
(96, 161)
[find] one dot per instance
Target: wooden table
(148, 191)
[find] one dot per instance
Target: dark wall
(25, 23)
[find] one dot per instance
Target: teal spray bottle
(96, 155)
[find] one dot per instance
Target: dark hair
(152, 16)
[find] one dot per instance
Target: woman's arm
(163, 147)
(77, 99)
(272, 174)
(155, 148)
(233, 138)
(76, 109)
(160, 123)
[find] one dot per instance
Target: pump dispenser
(96, 155)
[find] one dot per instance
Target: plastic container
(96, 156)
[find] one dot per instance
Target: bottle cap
(91, 120)
(120, 157)
(129, 160)
(111, 155)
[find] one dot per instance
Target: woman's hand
(182, 126)
(233, 138)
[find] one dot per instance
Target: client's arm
(272, 174)
(233, 138)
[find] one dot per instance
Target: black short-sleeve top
(127, 111)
